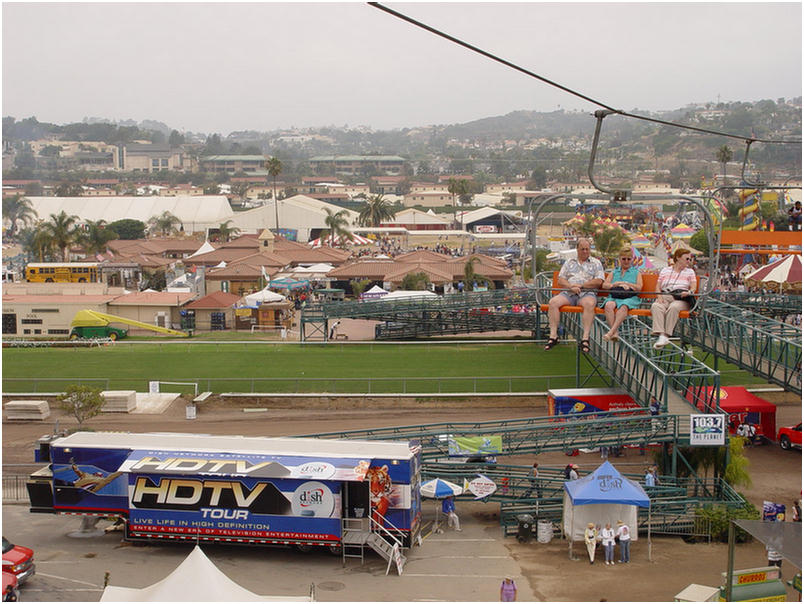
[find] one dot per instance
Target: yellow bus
(62, 272)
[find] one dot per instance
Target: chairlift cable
(527, 72)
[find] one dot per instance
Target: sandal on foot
(551, 343)
(584, 345)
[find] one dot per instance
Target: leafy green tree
(67, 189)
(609, 242)
(375, 211)
(128, 228)
(37, 242)
(164, 224)
(415, 282)
(82, 402)
(700, 242)
(17, 209)
(724, 155)
(538, 179)
(176, 138)
(95, 236)
(274, 167)
(359, 286)
(63, 232)
(212, 188)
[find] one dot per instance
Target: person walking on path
(607, 539)
(624, 535)
(448, 507)
(534, 482)
(590, 538)
(508, 590)
(579, 280)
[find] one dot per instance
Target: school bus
(62, 272)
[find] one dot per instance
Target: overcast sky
(211, 67)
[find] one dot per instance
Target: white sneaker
(662, 342)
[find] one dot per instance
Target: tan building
(506, 187)
(152, 158)
(428, 199)
(155, 308)
(214, 312)
(47, 314)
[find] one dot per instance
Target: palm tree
(609, 242)
(166, 223)
(62, 231)
(337, 225)
(455, 187)
(17, 209)
(96, 236)
(724, 156)
(227, 232)
(274, 167)
(375, 210)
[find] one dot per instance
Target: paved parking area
(449, 566)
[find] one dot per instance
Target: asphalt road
(449, 566)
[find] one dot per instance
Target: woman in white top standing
(607, 540)
(677, 285)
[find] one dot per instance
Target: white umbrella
(438, 489)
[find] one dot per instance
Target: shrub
(720, 516)
(82, 402)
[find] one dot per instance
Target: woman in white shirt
(677, 284)
(607, 539)
(624, 534)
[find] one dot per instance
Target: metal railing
(366, 386)
(765, 347)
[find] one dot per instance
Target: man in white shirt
(579, 279)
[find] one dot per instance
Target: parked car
(10, 591)
(18, 560)
(789, 437)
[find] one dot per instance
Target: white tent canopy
(196, 579)
(373, 293)
(264, 296)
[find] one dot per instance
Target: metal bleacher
(424, 317)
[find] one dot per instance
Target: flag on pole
(264, 274)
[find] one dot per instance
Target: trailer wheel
(335, 550)
(48, 280)
(304, 548)
(113, 336)
(82, 280)
(73, 336)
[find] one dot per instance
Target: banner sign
(708, 429)
(480, 487)
(462, 446)
(772, 512)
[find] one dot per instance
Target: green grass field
(221, 367)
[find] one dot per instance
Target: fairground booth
(744, 407)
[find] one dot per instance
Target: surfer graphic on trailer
(93, 482)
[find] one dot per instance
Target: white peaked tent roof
(376, 290)
(196, 213)
(263, 296)
(402, 294)
(207, 247)
(196, 579)
(321, 267)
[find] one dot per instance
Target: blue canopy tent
(603, 496)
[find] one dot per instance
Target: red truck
(789, 437)
(18, 560)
